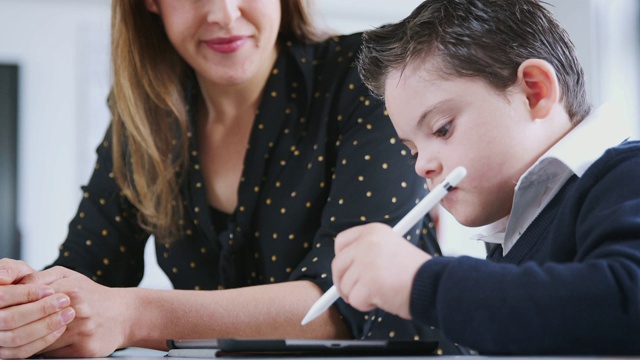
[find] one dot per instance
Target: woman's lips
(226, 45)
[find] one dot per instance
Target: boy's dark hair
(488, 39)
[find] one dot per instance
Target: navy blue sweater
(570, 285)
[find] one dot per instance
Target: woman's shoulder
(322, 65)
(344, 43)
(332, 48)
(347, 41)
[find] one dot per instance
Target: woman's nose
(223, 12)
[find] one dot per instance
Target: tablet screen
(307, 346)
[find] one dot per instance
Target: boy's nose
(427, 167)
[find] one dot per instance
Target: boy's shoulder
(617, 163)
(625, 151)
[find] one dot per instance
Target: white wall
(617, 35)
(347, 16)
(62, 49)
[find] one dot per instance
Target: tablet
(238, 346)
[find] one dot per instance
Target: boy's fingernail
(4, 272)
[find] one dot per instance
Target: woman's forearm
(265, 311)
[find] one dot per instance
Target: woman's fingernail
(67, 315)
(62, 302)
(44, 292)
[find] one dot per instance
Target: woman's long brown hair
(149, 110)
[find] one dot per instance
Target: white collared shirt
(573, 154)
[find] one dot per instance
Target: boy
(495, 86)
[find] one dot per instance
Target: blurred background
(55, 76)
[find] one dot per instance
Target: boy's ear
(151, 6)
(540, 84)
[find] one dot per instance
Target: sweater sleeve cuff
(424, 290)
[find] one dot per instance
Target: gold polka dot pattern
(322, 157)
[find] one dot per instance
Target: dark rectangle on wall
(9, 234)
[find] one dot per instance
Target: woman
(241, 139)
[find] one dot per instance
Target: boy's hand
(374, 267)
(31, 316)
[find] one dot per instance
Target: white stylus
(418, 212)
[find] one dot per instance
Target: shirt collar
(582, 146)
(573, 154)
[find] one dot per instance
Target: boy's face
(462, 121)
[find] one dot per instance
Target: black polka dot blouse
(322, 157)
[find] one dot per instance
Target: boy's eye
(443, 131)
